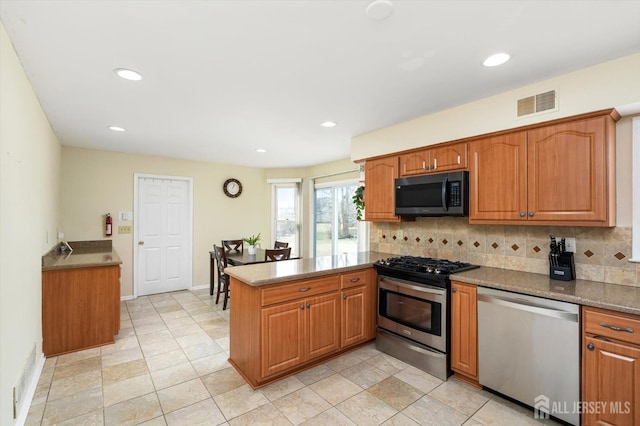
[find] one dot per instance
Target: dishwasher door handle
(525, 305)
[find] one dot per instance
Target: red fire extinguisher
(108, 230)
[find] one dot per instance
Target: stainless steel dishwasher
(529, 350)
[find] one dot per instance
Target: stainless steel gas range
(413, 310)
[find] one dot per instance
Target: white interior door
(164, 235)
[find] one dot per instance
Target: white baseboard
(123, 298)
(31, 391)
(200, 287)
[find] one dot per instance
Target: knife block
(566, 268)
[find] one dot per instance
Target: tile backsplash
(602, 254)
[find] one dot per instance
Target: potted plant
(252, 241)
(358, 200)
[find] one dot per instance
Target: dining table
(235, 258)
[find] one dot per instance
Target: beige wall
(29, 190)
(607, 85)
(96, 182)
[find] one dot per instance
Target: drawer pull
(590, 346)
(303, 289)
(344, 297)
(302, 306)
(308, 305)
(354, 280)
(614, 328)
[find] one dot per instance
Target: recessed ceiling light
(495, 60)
(128, 74)
(328, 124)
(379, 10)
(117, 128)
(261, 150)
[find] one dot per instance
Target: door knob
(140, 243)
(531, 214)
(522, 214)
(344, 297)
(454, 290)
(590, 346)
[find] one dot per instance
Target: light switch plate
(124, 229)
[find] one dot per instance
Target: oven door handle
(389, 284)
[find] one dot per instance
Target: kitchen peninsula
(290, 315)
(80, 297)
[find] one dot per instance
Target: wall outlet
(570, 244)
(379, 233)
(124, 229)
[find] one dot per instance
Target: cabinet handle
(344, 297)
(302, 306)
(454, 290)
(355, 280)
(522, 214)
(531, 214)
(590, 346)
(614, 328)
(302, 290)
(308, 305)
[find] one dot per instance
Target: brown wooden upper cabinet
(379, 194)
(561, 174)
(434, 159)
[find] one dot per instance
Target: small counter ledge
(260, 274)
(616, 297)
(86, 254)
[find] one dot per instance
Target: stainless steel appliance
(438, 194)
(529, 350)
(413, 310)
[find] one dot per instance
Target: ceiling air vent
(537, 103)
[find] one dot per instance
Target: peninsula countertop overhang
(260, 274)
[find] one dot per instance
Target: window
(286, 216)
(336, 229)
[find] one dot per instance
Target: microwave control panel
(456, 194)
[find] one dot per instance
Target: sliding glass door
(337, 230)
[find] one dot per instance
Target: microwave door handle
(445, 186)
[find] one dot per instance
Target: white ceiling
(223, 78)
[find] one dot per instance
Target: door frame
(136, 180)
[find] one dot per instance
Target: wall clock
(232, 188)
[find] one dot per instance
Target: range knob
(438, 271)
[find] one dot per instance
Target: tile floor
(169, 366)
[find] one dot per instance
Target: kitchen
(71, 176)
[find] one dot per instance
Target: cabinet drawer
(619, 326)
(300, 289)
(355, 279)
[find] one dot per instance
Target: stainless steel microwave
(438, 194)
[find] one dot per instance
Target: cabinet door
(415, 163)
(567, 167)
(498, 178)
(610, 379)
(354, 311)
(282, 338)
(464, 329)
(449, 157)
(323, 327)
(379, 194)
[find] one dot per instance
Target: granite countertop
(259, 274)
(616, 297)
(86, 254)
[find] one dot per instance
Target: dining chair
(280, 244)
(223, 279)
(236, 245)
(274, 255)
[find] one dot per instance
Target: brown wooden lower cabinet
(279, 329)
(80, 308)
(610, 368)
(464, 331)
